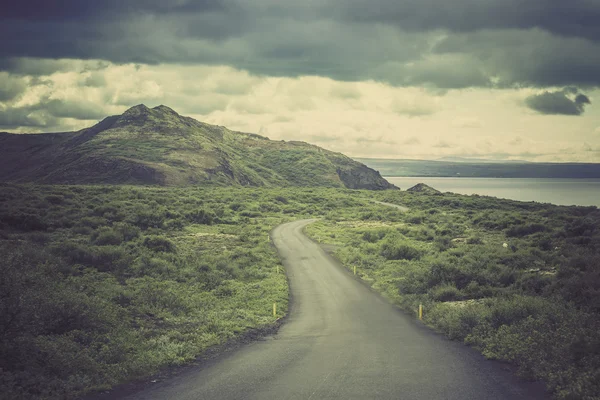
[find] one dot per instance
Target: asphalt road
(342, 341)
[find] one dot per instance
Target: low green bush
(446, 292)
(396, 249)
(524, 230)
(159, 243)
(107, 236)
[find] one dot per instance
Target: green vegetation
(519, 281)
(159, 146)
(104, 284)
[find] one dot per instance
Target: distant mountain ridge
(158, 146)
(437, 168)
(479, 160)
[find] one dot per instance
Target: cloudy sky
(496, 79)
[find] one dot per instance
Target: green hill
(158, 146)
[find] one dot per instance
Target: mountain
(158, 146)
(430, 168)
(479, 160)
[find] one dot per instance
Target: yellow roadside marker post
(275, 309)
(420, 312)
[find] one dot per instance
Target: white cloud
(361, 119)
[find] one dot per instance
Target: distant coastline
(454, 169)
(559, 191)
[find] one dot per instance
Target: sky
(416, 79)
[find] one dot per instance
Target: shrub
(446, 292)
(54, 199)
(236, 206)
(110, 259)
(415, 219)
(153, 266)
(24, 222)
(457, 322)
(200, 216)
(443, 243)
(128, 231)
(516, 308)
(39, 237)
(373, 236)
(394, 249)
(159, 243)
(281, 199)
(524, 230)
(149, 219)
(107, 236)
(175, 224)
(474, 240)
(93, 222)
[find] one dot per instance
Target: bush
(443, 243)
(107, 236)
(54, 199)
(106, 258)
(474, 240)
(159, 243)
(24, 222)
(281, 199)
(446, 292)
(516, 308)
(394, 249)
(415, 219)
(373, 236)
(128, 231)
(93, 222)
(200, 216)
(149, 219)
(524, 230)
(457, 322)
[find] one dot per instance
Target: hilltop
(157, 146)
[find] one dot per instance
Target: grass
(518, 281)
(103, 284)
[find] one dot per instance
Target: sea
(566, 192)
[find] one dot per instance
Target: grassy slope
(535, 303)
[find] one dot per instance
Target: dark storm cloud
(565, 102)
(43, 10)
(528, 58)
(474, 42)
(570, 18)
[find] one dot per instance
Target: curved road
(342, 341)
